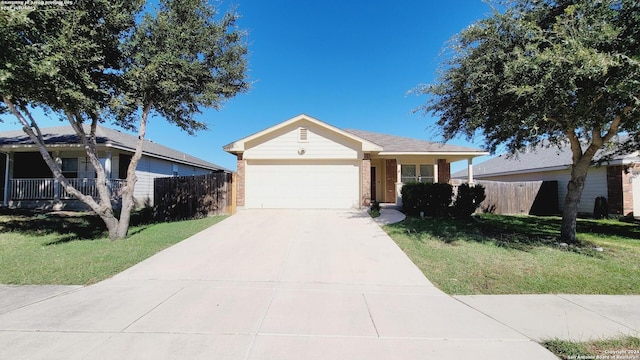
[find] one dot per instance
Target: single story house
(306, 163)
(27, 181)
(618, 180)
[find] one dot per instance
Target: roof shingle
(62, 135)
(391, 143)
(533, 160)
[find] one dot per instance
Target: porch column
(436, 175)
(5, 200)
(56, 183)
(470, 170)
(365, 198)
(107, 165)
(107, 171)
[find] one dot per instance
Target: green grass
(623, 348)
(493, 254)
(74, 250)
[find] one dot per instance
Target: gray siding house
(618, 180)
(27, 182)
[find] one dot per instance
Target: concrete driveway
(263, 285)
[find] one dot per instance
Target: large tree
(92, 61)
(545, 72)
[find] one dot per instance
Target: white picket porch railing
(49, 189)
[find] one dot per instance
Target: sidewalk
(545, 317)
(264, 285)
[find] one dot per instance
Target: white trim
(238, 146)
(422, 153)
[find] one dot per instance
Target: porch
(49, 193)
(388, 175)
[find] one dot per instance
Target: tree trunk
(112, 225)
(126, 192)
(571, 202)
(580, 166)
(116, 228)
(125, 212)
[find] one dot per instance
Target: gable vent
(303, 135)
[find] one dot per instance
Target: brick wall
(619, 190)
(240, 182)
(366, 181)
(627, 192)
(444, 171)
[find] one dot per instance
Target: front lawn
(494, 254)
(623, 348)
(70, 249)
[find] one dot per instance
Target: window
(123, 166)
(174, 170)
(408, 173)
(303, 135)
(426, 174)
(29, 165)
(70, 168)
(85, 169)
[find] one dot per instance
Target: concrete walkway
(262, 285)
(545, 317)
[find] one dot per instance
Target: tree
(92, 62)
(544, 73)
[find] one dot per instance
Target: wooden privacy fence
(188, 197)
(523, 197)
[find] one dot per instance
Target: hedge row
(436, 200)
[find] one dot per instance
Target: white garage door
(316, 185)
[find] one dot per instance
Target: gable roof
(65, 136)
(371, 142)
(402, 145)
(535, 160)
(238, 146)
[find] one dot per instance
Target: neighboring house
(27, 181)
(306, 163)
(618, 180)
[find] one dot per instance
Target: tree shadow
(69, 226)
(512, 232)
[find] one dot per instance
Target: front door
(373, 184)
(391, 167)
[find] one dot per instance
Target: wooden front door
(391, 170)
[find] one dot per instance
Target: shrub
(430, 199)
(467, 200)
(442, 195)
(374, 210)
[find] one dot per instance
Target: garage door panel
(281, 185)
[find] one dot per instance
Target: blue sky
(348, 63)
